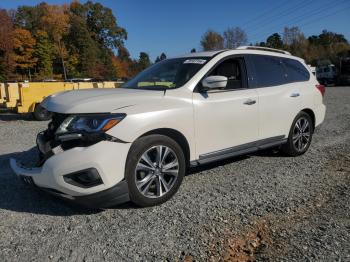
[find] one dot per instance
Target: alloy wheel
(301, 134)
(156, 171)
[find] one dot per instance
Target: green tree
(84, 47)
(193, 50)
(29, 17)
(212, 40)
(274, 41)
(44, 53)
(162, 56)
(144, 61)
(103, 24)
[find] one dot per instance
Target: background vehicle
(344, 71)
(326, 74)
(108, 146)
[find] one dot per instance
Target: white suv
(105, 147)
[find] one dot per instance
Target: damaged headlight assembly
(87, 126)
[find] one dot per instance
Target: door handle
(294, 95)
(249, 102)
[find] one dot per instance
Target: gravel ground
(258, 207)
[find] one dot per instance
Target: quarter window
(296, 72)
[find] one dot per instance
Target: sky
(176, 26)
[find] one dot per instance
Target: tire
(41, 114)
(299, 139)
(152, 181)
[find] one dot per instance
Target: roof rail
(263, 49)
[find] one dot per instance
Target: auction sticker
(195, 61)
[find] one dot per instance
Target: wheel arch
(312, 115)
(175, 135)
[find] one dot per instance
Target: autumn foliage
(64, 41)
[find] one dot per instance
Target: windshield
(167, 74)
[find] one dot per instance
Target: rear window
(269, 70)
(295, 71)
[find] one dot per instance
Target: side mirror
(214, 82)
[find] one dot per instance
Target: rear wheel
(41, 114)
(300, 135)
(154, 170)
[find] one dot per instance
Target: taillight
(321, 88)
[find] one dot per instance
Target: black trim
(113, 196)
(85, 178)
(239, 150)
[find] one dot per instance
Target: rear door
(279, 101)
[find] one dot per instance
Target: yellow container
(97, 84)
(85, 85)
(12, 95)
(111, 84)
(2, 94)
(34, 93)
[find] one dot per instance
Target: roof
(203, 54)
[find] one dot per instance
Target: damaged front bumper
(91, 175)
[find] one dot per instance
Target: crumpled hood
(98, 100)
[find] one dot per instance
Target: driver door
(226, 120)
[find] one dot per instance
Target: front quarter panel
(174, 111)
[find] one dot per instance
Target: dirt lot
(258, 207)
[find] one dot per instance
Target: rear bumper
(320, 112)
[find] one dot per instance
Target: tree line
(84, 40)
(64, 41)
(327, 47)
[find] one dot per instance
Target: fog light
(84, 178)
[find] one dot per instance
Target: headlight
(89, 123)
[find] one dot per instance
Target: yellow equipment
(12, 95)
(2, 94)
(26, 97)
(111, 84)
(32, 94)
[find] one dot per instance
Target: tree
(234, 37)
(162, 56)
(327, 46)
(212, 40)
(121, 67)
(103, 24)
(44, 53)
(29, 17)
(193, 50)
(23, 45)
(274, 41)
(81, 44)
(144, 61)
(291, 35)
(55, 21)
(6, 46)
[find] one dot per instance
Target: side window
(269, 70)
(232, 69)
(296, 72)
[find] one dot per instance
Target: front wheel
(300, 135)
(154, 170)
